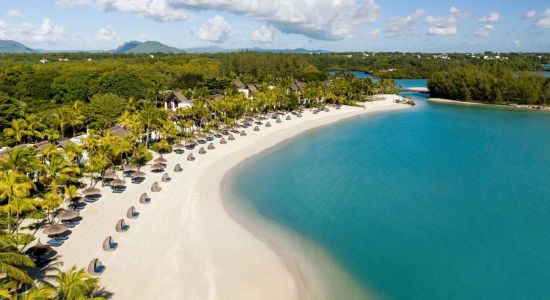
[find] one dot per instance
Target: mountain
(7, 46)
(215, 49)
(146, 47)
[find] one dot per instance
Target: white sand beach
(184, 244)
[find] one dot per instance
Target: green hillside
(7, 46)
(146, 47)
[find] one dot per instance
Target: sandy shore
(501, 106)
(185, 244)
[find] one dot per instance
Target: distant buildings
(175, 100)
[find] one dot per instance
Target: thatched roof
(129, 168)
(252, 88)
(157, 167)
(178, 146)
(55, 229)
(42, 145)
(68, 215)
(190, 142)
(119, 131)
(176, 96)
(278, 120)
(89, 191)
(161, 160)
(231, 137)
(138, 174)
(38, 249)
(238, 84)
(118, 182)
(109, 175)
(63, 143)
(256, 128)
(223, 141)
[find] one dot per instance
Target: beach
(186, 244)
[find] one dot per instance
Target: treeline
(490, 84)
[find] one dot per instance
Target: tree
(103, 110)
(13, 187)
(76, 284)
(51, 202)
(18, 130)
(12, 266)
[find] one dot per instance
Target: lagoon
(436, 202)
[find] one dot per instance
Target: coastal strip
(184, 244)
(490, 105)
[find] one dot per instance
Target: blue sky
(338, 25)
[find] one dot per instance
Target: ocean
(435, 202)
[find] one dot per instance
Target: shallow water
(437, 202)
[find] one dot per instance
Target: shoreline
(491, 105)
(190, 242)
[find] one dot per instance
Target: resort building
(175, 100)
(248, 89)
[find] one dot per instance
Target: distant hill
(215, 49)
(7, 46)
(146, 47)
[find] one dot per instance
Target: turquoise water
(404, 83)
(436, 202)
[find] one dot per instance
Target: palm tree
(34, 125)
(14, 186)
(76, 284)
(51, 201)
(22, 160)
(39, 292)
(56, 170)
(148, 116)
(140, 155)
(18, 130)
(12, 266)
(62, 118)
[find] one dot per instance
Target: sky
(335, 25)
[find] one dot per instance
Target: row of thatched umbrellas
(95, 267)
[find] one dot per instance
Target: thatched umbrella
(55, 229)
(190, 157)
(132, 213)
(166, 177)
(178, 168)
(268, 124)
(243, 133)
(211, 146)
(95, 267)
(39, 250)
(118, 183)
(161, 160)
(109, 175)
(157, 167)
(109, 244)
(202, 150)
(256, 128)
(138, 174)
(223, 141)
(190, 143)
(155, 187)
(288, 118)
(121, 226)
(144, 199)
(231, 138)
(91, 191)
(278, 121)
(67, 215)
(129, 168)
(178, 147)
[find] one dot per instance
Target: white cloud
(517, 44)
(531, 14)
(263, 35)
(46, 33)
(493, 17)
(485, 31)
(106, 34)
(14, 13)
(398, 25)
(70, 3)
(374, 34)
(446, 26)
(544, 21)
(215, 30)
(320, 19)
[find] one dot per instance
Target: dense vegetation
(490, 84)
